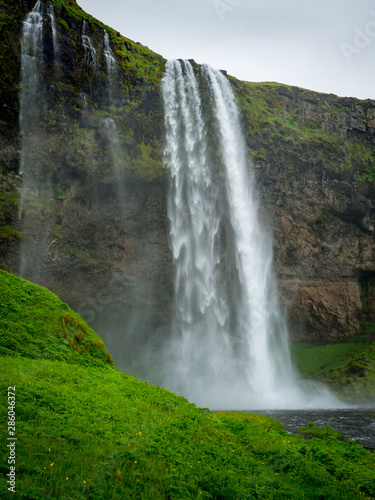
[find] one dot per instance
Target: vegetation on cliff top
(284, 126)
(91, 432)
(297, 128)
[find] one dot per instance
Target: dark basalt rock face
(107, 254)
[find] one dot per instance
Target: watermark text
(11, 445)
(362, 38)
(222, 7)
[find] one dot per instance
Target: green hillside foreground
(86, 431)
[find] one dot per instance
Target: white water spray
(230, 342)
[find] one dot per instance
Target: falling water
(230, 342)
(116, 152)
(36, 205)
(31, 109)
(51, 15)
(31, 63)
(109, 124)
(89, 50)
(109, 56)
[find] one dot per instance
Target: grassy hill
(86, 431)
(34, 323)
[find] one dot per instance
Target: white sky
(322, 45)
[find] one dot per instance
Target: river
(354, 423)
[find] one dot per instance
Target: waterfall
(109, 124)
(109, 56)
(110, 63)
(51, 15)
(116, 152)
(32, 105)
(36, 203)
(31, 63)
(200, 309)
(262, 323)
(230, 342)
(89, 50)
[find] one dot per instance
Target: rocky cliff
(314, 156)
(93, 226)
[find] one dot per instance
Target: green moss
(58, 193)
(143, 163)
(9, 233)
(8, 206)
(81, 254)
(324, 432)
(4, 19)
(258, 155)
(63, 23)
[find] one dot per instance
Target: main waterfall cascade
(230, 342)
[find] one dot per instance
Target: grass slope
(347, 366)
(35, 323)
(87, 431)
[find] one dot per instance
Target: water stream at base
(357, 424)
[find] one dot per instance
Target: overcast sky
(323, 45)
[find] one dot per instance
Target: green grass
(326, 431)
(35, 323)
(86, 431)
(98, 434)
(313, 360)
(348, 366)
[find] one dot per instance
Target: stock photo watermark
(222, 7)
(363, 36)
(11, 444)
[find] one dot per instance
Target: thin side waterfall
(89, 50)
(109, 124)
(109, 56)
(56, 50)
(116, 152)
(230, 342)
(31, 108)
(36, 202)
(31, 63)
